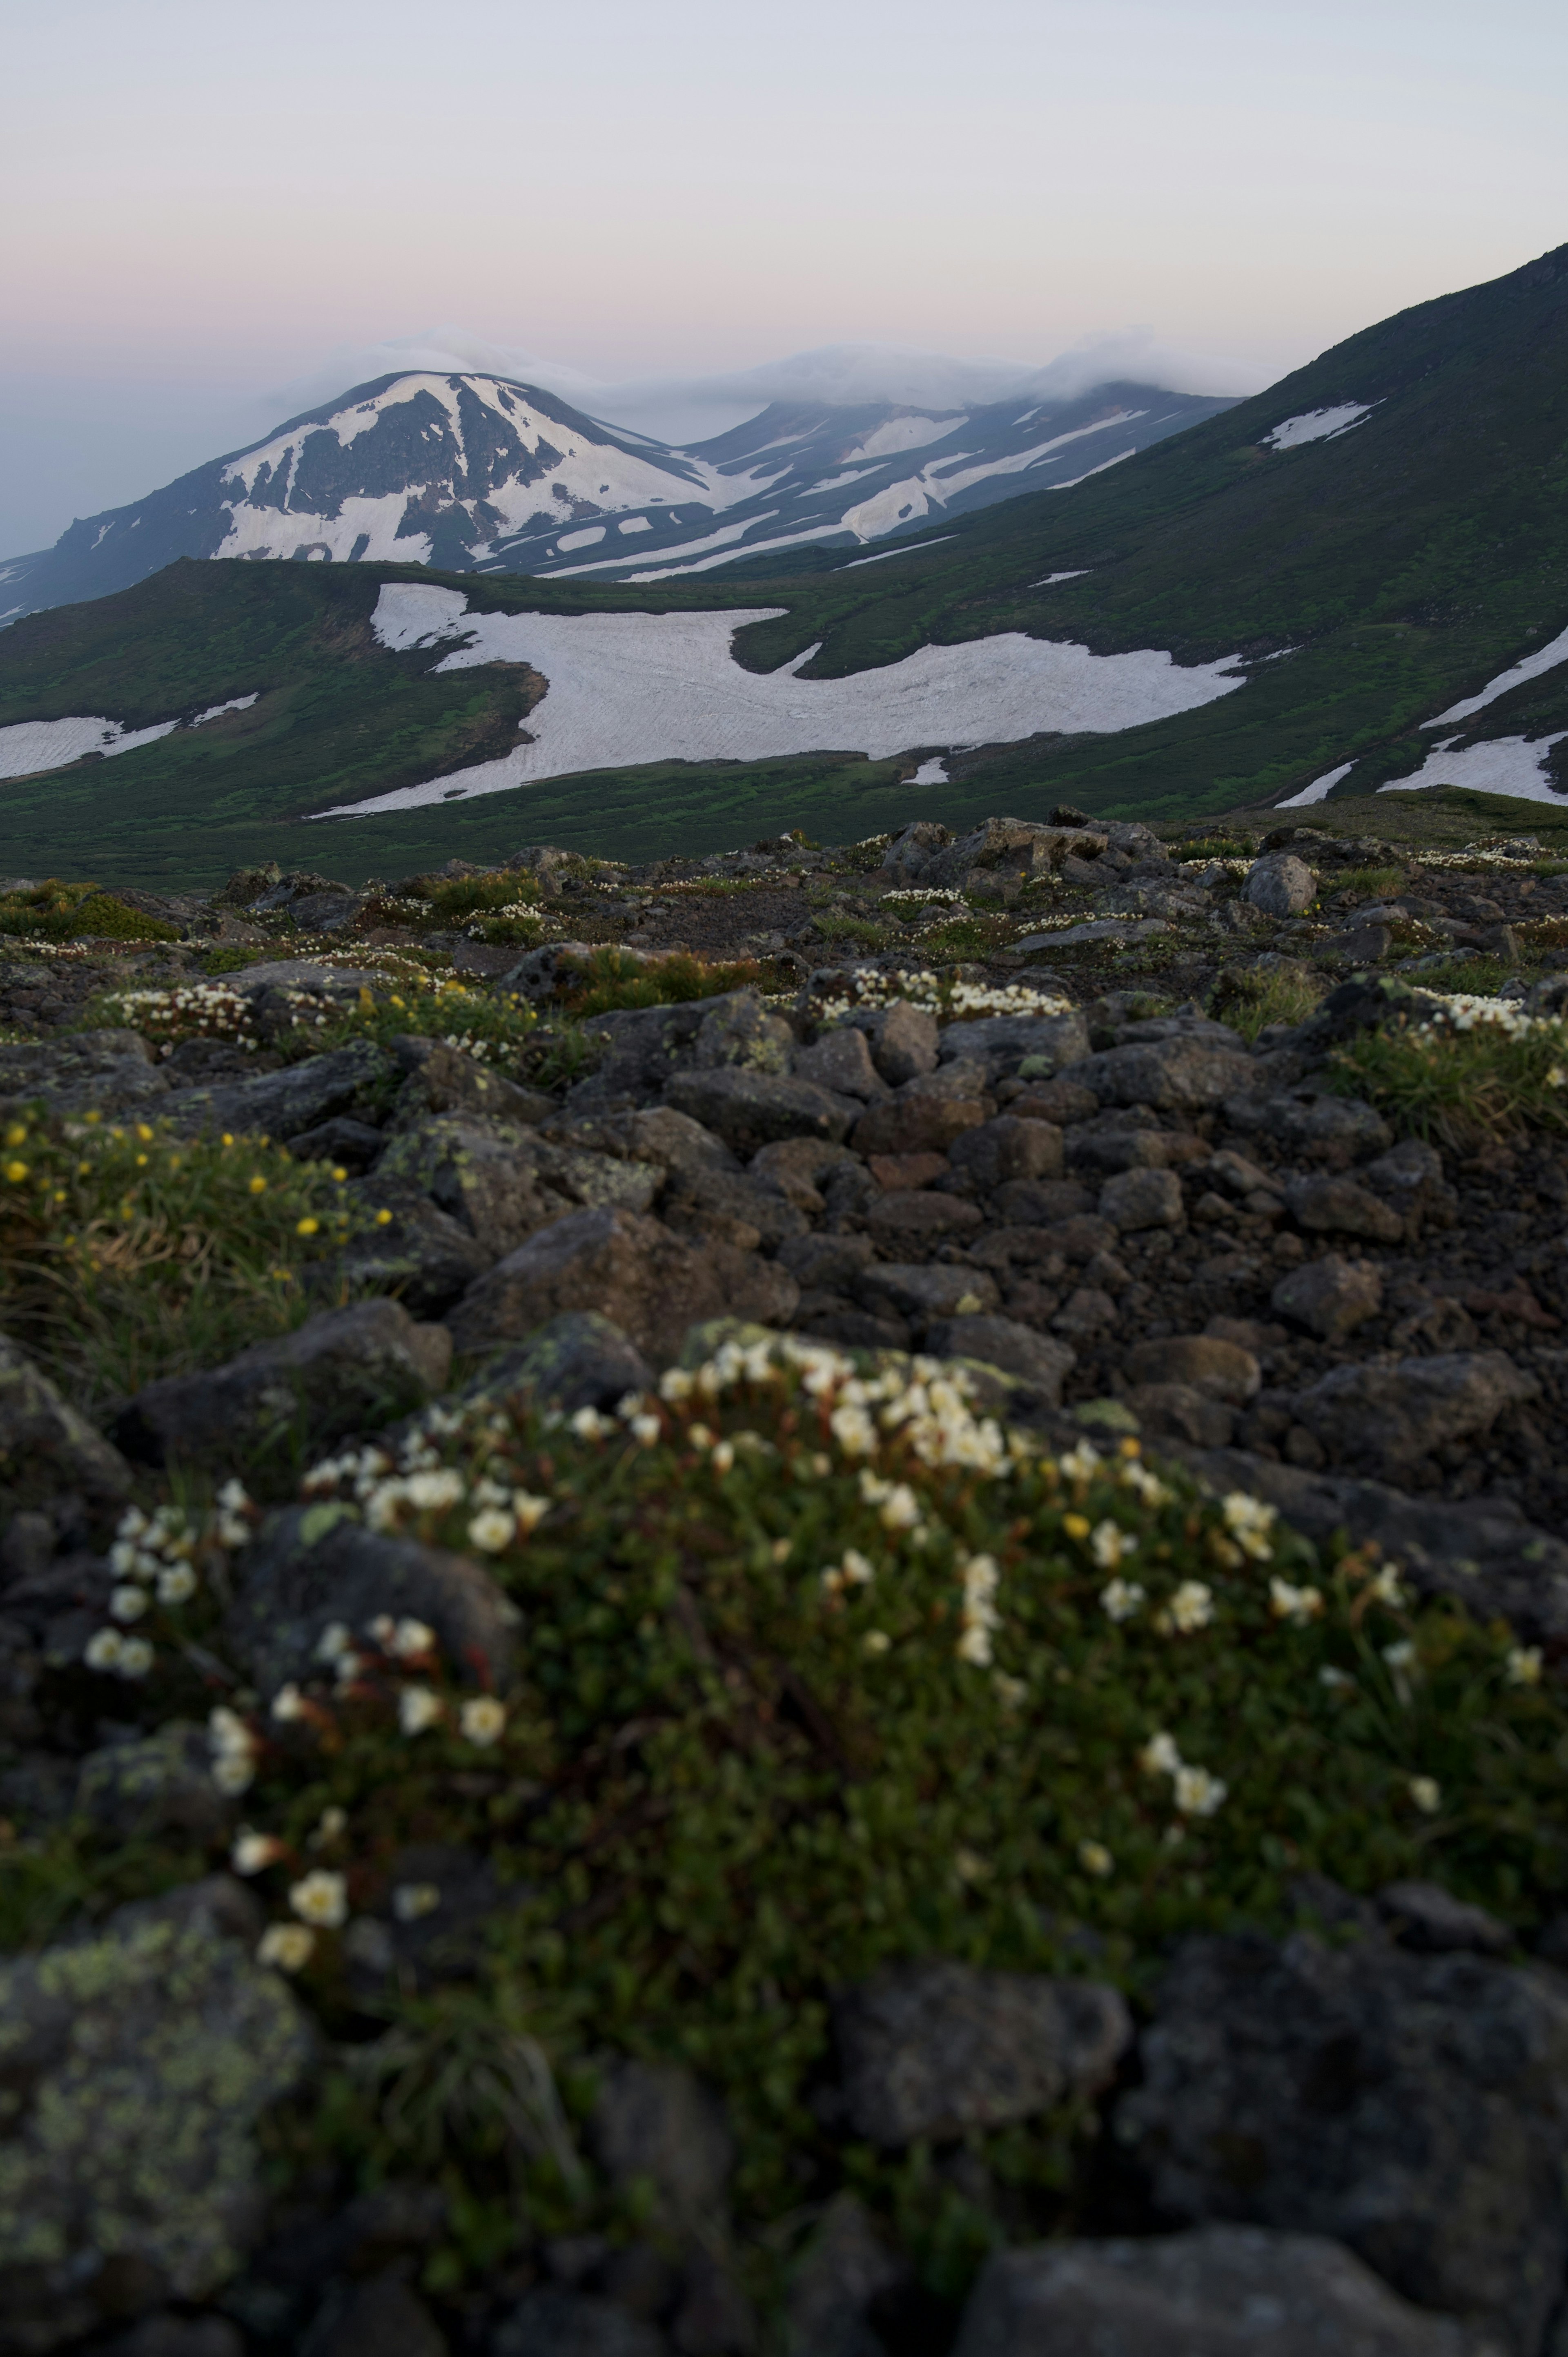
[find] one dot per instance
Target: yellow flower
(383, 1219)
(1077, 1526)
(17, 1134)
(1095, 1858)
(258, 1185)
(339, 1176)
(306, 1227)
(16, 1172)
(141, 1161)
(143, 1132)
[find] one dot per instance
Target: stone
(1280, 885)
(749, 1109)
(841, 1060)
(1002, 1342)
(1339, 1207)
(1175, 1073)
(1218, 2291)
(382, 2318)
(1038, 1202)
(1304, 1121)
(905, 1043)
(148, 1784)
(895, 1172)
(445, 1945)
(629, 1268)
(1062, 1102)
(921, 1122)
(915, 1216)
(825, 1261)
(419, 1251)
(1047, 1042)
(281, 1104)
(1424, 1917)
(87, 1071)
(924, 1294)
(654, 2124)
(443, 1080)
(644, 1046)
(1220, 1370)
(1239, 1176)
(844, 2270)
(797, 1167)
(1142, 1198)
(1409, 1177)
(677, 1142)
(933, 2050)
(137, 2058)
(1387, 1418)
(1413, 2107)
(578, 1360)
(1087, 1311)
(354, 1144)
(1181, 1411)
(698, 1205)
(574, 2324)
(313, 1565)
(737, 1030)
(52, 1459)
(165, 2335)
(1007, 1148)
(1331, 1297)
(343, 1370)
(1095, 1150)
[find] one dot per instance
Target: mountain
(467, 471)
(1357, 579)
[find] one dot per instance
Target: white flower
(228, 1733)
(876, 1640)
(1121, 1598)
(1523, 1667)
(645, 1429)
(417, 1709)
(136, 1658)
(675, 1384)
(233, 1498)
(1159, 1756)
(1296, 1604)
(409, 1637)
(410, 1900)
(320, 1898)
(1011, 1692)
(1107, 1543)
(288, 1703)
(177, 1585)
(429, 1493)
(529, 1511)
(491, 1529)
(978, 1616)
(1386, 1587)
(1095, 1858)
(287, 1947)
(1250, 1522)
(1198, 1793)
(128, 1603)
(103, 1649)
(252, 1853)
(234, 1772)
(722, 1456)
(482, 1720)
(1082, 1463)
(1190, 1608)
(854, 1431)
(335, 1639)
(588, 1424)
(1334, 1679)
(856, 1569)
(1400, 1656)
(1426, 1793)
(1145, 1485)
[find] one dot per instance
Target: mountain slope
(1313, 593)
(464, 471)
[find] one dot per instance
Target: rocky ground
(1064, 1164)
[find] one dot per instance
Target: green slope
(1370, 581)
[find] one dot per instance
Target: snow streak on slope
(34, 745)
(625, 689)
(1505, 765)
(1316, 426)
(1547, 659)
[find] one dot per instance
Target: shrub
(823, 1669)
(608, 978)
(126, 1253)
(53, 911)
(1250, 1000)
(1468, 1071)
(1368, 883)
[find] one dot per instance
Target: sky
(209, 208)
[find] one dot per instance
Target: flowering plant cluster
(186, 1010)
(162, 1564)
(949, 999)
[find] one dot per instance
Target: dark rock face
(1413, 2107)
(49, 1455)
(281, 1104)
(749, 1109)
(87, 1071)
(342, 1370)
(1220, 2291)
(419, 1251)
(578, 1360)
(1036, 1359)
(932, 2050)
(1388, 1417)
(1177, 1072)
(655, 2122)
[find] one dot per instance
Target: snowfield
(35, 745)
(1505, 765)
(627, 689)
(1316, 426)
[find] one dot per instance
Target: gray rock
(1005, 1041)
(51, 1459)
(1002, 1342)
(136, 2059)
(87, 1071)
(1306, 1122)
(1040, 1202)
(844, 2268)
(799, 1167)
(907, 1217)
(920, 1121)
(538, 975)
(825, 1261)
(655, 2124)
(739, 1030)
(840, 1063)
(505, 1183)
(1012, 847)
(442, 1080)
(1339, 1207)
(1221, 1369)
(1331, 1297)
(1409, 1177)
(1387, 1418)
(420, 1252)
(1425, 1917)
(574, 2324)
(578, 1360)
(748, 1109)
(1181, 1411)
(302, 974)
(282, 1104)
(1179, 1072)
(1414, 2107)
(313, 1565)
(1280, 885)
(673, 1141)
(933, 2050)
(700, 1204)
(380, 2318)
(642, 1046)
(355, 1143)
(922, 1295)
(1007, 1148)
(1122, 929)
(905, 1043)
(1142, 1198)
(343, 1370)
(629, 1268)
(154, 1783)
(1220, 2291)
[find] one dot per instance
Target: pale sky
(204, 203)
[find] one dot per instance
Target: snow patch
(636, 523)
(914, 548)
(901, 434)
(626, 689)
(1319, 788)
(1505, 765)
(35, 745)
(929, 773)
(236, 704)
(589, 537)
(1050, 579)
(1547, 659)
(1316, 426)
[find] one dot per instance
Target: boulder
(930, 2051)
(921, 1295)
(355, 1143)
(1002, 1342)
(910, 1216)
(919, 1123)
(87, 1071)
(1424, 1917)
(313, 1565)
(1387, 1418)
(1339, 1207)
(578, 1360)
(905, 1043)
(1002, 1042)
(1331, 1297)
(418, 1252)
(1280, 885)
(1414, 2107)
(1006, 1148)
(156, 1783)
(737, 1030)
(840, 1063)
(1220, 1370)
(797, 1168)
(630, 1269)
(1142, 1198)
(281, 1104)
(52, 1459)
(1220, 2292)
(1310, 1123)
(844, 2270)
(673, 1141)
(1176, 1411)
(443, 1080)
(1179, 1072)
(343, 1370)
(1409, 1177)
(137, 2060)
(749, 1109)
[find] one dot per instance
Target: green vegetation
(609, 979)
(1250, 1000)
(64, 912)
(820, 1671)
(1481, 1074)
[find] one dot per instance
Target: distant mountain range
(471, 472)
